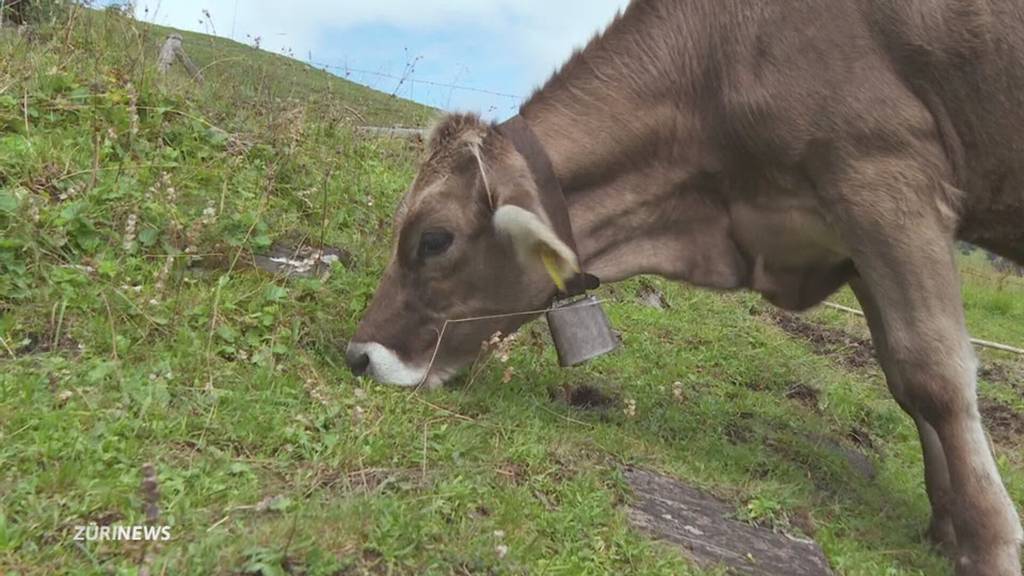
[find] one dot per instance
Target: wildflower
(677, 391)
(71, 192)
(209, 213)
(129, 231)
(33, 210)
(505, 348)
(165, 271)
(358, 414)
(133, 110)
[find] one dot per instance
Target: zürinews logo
(95, 532)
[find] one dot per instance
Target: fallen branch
(975, 341)
(171, 51)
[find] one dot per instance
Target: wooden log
(172, 50)
(394, 132)
(975, 341)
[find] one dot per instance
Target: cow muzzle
(384, 365)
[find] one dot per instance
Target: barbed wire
(350, 70)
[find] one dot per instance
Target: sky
(501, 48)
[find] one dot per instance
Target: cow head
(471, 240)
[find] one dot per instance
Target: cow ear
(536, 242)
(518, 213)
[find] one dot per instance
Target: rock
(302, 262)
(705, 529)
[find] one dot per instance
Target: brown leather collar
(552, 199)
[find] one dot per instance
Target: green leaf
(8, 202)
(275, 293)
(148, 236)
(79, 93)
(99, 372)
(261, 241)
(280, 504)
(227, 333)
(239, 468)
(107, 268)
(216, 136)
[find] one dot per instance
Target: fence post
(171, 51)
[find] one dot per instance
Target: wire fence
(407, 83)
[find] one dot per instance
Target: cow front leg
(891, 214)
(936, 473)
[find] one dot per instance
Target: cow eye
(434, 243)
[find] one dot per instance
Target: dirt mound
(584, 396)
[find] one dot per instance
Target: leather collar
(552, 199)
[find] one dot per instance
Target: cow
(789, 147)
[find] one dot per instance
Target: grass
(156, 342)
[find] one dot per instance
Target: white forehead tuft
(474, 147)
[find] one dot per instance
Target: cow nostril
(358, 362)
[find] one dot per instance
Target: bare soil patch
(370, 480)
(852, 351)
(1004, 374)
(43, 343)
(1004, 424)
(804, 394)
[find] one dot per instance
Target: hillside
(250, 74)
(136, 329)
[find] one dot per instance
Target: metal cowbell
(581, 330)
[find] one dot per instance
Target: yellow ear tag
(550, 259)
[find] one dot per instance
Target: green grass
(272, 459)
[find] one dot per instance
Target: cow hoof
(942, 536)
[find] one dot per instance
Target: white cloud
(542, 32)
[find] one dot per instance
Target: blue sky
(506, 47)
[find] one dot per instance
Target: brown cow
(786, 146)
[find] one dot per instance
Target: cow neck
(552, 199)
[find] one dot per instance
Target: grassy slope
(116, 353)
